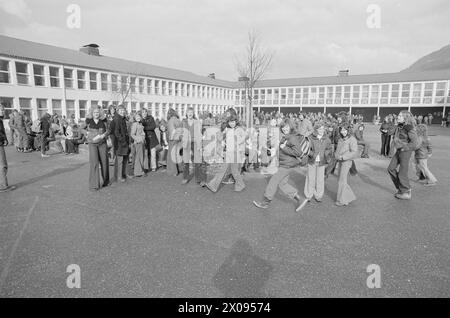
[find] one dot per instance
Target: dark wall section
(307, 109)
(366, 112)
(384, 111)
(335, 110)
(435, 111)
(287, 110)
(267, 109)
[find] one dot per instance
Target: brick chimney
(90, 49)
(344, 73)
(212, 75)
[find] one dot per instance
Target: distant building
(38, 78)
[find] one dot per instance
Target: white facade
(37, 87)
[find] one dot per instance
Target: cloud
(17, 8)
(310, 37)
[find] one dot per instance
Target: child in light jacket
(421, 155)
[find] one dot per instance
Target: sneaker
(403, 196)
(202, 184)
(262, 205)
(8, 189)
(340, 204)
(301, 205)
(318, 200)
(45, 156)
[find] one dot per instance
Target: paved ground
(155, 238)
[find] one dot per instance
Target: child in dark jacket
(421, 155)
(319, 157)
(290, 157)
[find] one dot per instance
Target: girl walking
(423, 152)
(405, 142)
(346, 152)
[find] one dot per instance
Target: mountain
(436, 61)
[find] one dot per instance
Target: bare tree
(251, 68)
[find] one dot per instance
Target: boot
(404, 196)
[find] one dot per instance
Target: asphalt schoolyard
(153, 237)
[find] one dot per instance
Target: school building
(38, 78)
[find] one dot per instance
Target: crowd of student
(138, 144)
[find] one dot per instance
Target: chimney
(90, 49)
(212, 75)
(344, 73)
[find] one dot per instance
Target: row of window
(121, 84)
(417, 93)
(80, 108)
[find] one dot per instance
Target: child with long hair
(422, 153)
(405, 142)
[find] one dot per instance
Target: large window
(70, 107)
(141, 86)
(395, 93)
(305, 96)
(39, 75)
(375, 94)
(22, 73)
(356, 94)
(283, 96)
(8, 104)
(104, 80)
(406, 92)
(338, 95)
(133, 84)
(57, 106)
(92, 81)
(114, 84)
(4, 71)
(83, 108)
(298, 96)
(347, 94)
(384, 94)
(81, 76)
(321, 95)
(164, 88)
(54, 77)
(157, 91)
(440, 93)
(330, 91)
(276, 96)
(417, 93)
(428, 93)
(41, 107)
(68, 78)
(25, 106)
(290, 96)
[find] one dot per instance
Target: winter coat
(187, 139)
(405, 138)
(173, 128)
(347, 149)
(322, 148)
(290, 154)
(137, 133)
(19, 124)
(121, 136)
(149, 128)
(425, 148)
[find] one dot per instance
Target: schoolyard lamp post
(247, 105)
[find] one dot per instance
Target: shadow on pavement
(243, 274)
(50, 174)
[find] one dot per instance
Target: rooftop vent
(212, 75)
(90, 49)
(344, 73)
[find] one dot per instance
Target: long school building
(38, 78)
(380, 94)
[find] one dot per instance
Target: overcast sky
(309, 38)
